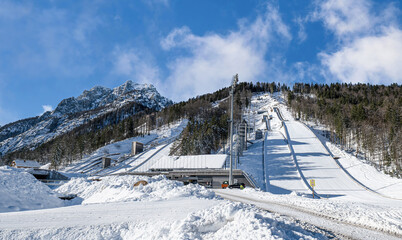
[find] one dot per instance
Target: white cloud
(301, 34)
(137, 65)
(47, 108)
(213, 59)
(370, 43)
(345, 17)
(374, 59)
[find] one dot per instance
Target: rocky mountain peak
(101, 96)
(130, 86)
(75, 111)
(94, 92)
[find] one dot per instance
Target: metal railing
(250, 179)
(53, 182)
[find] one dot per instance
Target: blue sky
(51, 50)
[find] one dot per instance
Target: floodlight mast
(234, 81)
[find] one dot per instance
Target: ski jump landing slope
(282, 176)
(316, 163)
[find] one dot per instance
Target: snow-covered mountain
(73, 112)
(146, 94)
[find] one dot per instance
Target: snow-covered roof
(196, 161)
(26, 163)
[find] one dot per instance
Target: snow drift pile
(121, 189)
(20, 191)
(229, 220)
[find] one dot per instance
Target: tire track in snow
(342, 229)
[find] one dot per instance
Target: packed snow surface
(113, 208)
(178, 219)
(269, 160)
(362, 171)
(19, 191)
(345, 178)
(379, 216)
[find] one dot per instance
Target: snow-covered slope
(73, 112)
(274, 171)
(120, 152)
(360, 169)
(313, 159)
(114, 209)
(346, 177)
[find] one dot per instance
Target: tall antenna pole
(234, 81)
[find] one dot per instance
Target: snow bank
(229, 220)
(20, 191)
(121, 189)
(171, 219)
(46, 166)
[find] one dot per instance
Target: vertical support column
(231, 138)
(235, 80)
(245, 134)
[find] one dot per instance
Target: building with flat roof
(137, 147)
(19, 163)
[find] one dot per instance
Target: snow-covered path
(169, 219)
(103, 213)
(119, 220)
(341, 224)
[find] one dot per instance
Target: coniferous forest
(362, 118)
